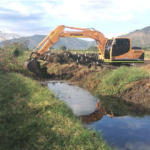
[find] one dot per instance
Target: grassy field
(31, 117)
(147, 54)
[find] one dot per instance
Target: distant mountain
(8, 36)
(139, 37)
(70, 43)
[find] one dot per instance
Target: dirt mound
(138, 93)
(68, 57)
(147, 67)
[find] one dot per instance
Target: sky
(111, 17)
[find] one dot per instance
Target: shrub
(63, 47)
(16, 52)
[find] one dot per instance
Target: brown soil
(138, 93)
(146, 62)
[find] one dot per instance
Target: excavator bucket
(33, 65)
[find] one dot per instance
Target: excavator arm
(59, 32)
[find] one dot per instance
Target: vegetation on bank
(146, 48)
(33, 118)
(12, 58)
(115, 81)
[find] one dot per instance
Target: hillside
(7, 36)
(139, 37)
(70, 43)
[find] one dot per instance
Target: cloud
(31, 15)
(21, 21)
(26, 29)
(72, 10)
(132, 123)
(13, 15)
(134, 146)
(113, 10)
(137, 145)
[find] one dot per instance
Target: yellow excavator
(113, 51)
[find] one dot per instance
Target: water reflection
(124, 126)
(122, 131)
(98, 114)
(79, 100)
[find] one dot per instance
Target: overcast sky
(111, 17)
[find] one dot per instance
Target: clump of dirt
(69, 71)
(138, 93)
(68, 57)
(147, 67)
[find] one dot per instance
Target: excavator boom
(59, 32)
(55, 35)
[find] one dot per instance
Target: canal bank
(31, 117)
(131, 84)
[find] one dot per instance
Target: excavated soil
(138, 93)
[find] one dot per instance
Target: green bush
(63, 47)
(16, 52)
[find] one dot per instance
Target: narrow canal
(123, 126)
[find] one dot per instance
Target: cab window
(107, 49)
(120, 47)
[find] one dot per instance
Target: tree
(63, 47)
(16, 52)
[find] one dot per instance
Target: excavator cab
(118, 50)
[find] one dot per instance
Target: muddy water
(123, 127)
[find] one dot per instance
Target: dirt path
(146, 62)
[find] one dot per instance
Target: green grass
(76, 51)
(147, 54)
(115, 81)
(32, 118)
